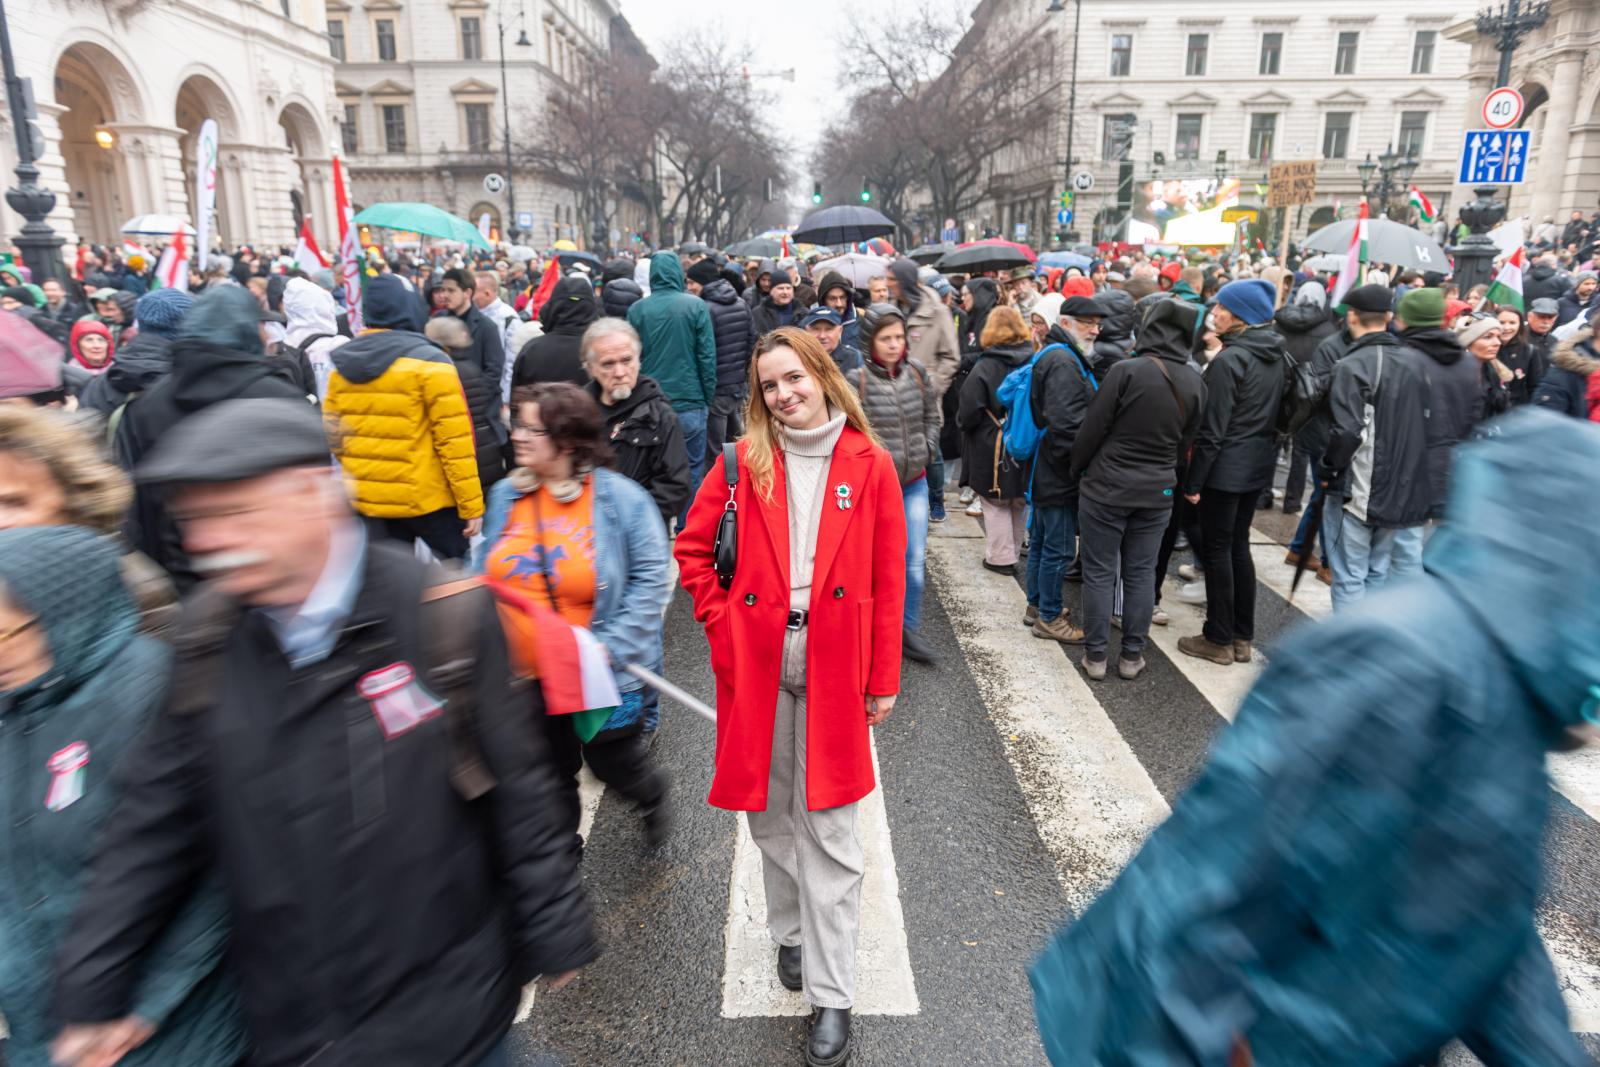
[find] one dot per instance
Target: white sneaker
(975, 509)
(967, 494)
(1192, 592)
(1160, 618)
(1188, 573)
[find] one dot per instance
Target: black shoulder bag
(726, 552)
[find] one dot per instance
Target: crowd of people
(258, 701)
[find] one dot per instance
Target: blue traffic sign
(1063, 217)
(1494, 157)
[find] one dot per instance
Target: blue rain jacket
(1352, 878)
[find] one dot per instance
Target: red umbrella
(995, 242)
(30, 360)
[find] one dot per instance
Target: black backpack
(1301, 396)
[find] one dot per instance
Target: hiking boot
(1058, 629)
(1198, 647)
(1242, 652)
(1030, 615)
(1129, 669)
(1159, 617)
(1094, 668)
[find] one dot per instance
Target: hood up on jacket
(1168, 330)
(227, 317)
(720, 291)
(571, 307)
(1116, 328)
(904, 272)
(83, 328)
(391, 304)
(614, 269)
(1262, 342)
(666, 274)
(619, 296)
(1300, 318)
(311, 310)
(832, 280)
(141, 363)
(1435, 342)
(1530, 582)
(219, 354)
(86, 620)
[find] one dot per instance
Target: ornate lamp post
(512, 231)
(40, 247)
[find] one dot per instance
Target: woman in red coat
(805, 645)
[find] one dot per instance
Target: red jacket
(853, 641)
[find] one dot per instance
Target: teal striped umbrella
(424, 219)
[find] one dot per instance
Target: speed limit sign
(1502, 108)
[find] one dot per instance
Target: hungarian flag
(783, 247)
(307, 256)
(173, 270)
(1355, 260)
(134, 248)
(349, 250)
(1506, 289)
(1423, 205)
(572, 667)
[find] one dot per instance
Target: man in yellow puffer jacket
(401, 429)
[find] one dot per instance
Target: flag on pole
(1423, 205)
(1506, 289)
(1355, 260)
(573, 668)
(134, 248)
(307, 256)
(783, 247)
(349, 250)
(173, 270)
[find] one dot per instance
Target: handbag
(726, 552)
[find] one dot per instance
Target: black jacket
(1455, 404)
(554, 356)
(985, 297)
(483, 404)
(1377, 455)
(990, 470)
(1144, 417)
(1116, 330)
(1313, 436)
(1543, 281)
(1528, 360)
(1565, 389)
(647, 442)
(1063, 386)
(1303, 328)
(1237, 443)
(488, 349)
(619, 295)
(143, 362)
(734, 328)
(768, 317)
(365, 893)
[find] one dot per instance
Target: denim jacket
(630, 560)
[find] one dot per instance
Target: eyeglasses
(17, 630)
(529, 428)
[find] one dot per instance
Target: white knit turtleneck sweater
(806, 457)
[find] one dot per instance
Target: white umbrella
(1326, 262)
(857, 268)
(157, 226)
(522, 253)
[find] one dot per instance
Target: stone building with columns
(1557, 70)
(123, 86)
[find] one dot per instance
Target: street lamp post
(1072, 90)
(1514, 21)
(40, 247)
(512, 231)
(1393, 170)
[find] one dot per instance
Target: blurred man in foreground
(342, 741)
(1352, 879)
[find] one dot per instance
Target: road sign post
(1083, 181)
(1502, 108)
(1494, 157)
(493, 184)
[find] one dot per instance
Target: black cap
(1082, 307)
(237, 440)
(704, 272)
(1376, 297)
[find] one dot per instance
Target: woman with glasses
(571, 535)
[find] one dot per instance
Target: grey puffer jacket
(903, 409)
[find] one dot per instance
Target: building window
(347, 131)
(1121, 55)
(477, 122)
(1344, 57)
(1194, 64)
(1118, 137)
(386, 49)
(1263, 126)
(1422, 52)
(1187, 144)
(336, 39)
(394, 127)
(1413, 131)
(1271, 52)
(471, 39)
(1336, 135)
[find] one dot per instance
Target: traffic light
(816, 192)
(866, 192)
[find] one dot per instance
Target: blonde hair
(761, 428)
(1004, 326)
(94, 492)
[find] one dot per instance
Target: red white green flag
(1355, 260)
(1506, 289)
(1423, 205)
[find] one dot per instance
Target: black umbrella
(977, 258)
(568, 259)
(931, 253)
(755, 248)
(845, 224)
(694, 248)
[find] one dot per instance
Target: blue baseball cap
(822, 313)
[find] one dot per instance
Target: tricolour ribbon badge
(66, 776)
(399, 702)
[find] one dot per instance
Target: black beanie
(704, 272)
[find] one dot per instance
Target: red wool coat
(858, 593)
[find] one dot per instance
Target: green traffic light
(865, 196)
(816, 198)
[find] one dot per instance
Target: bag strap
(452, 610)
(1183, 409)
(730, 465)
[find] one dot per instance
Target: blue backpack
(1020, 434)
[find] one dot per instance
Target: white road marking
(884, 984)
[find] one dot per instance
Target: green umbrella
(424, 219)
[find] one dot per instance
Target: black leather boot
(789, 966)
(828, 1044)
